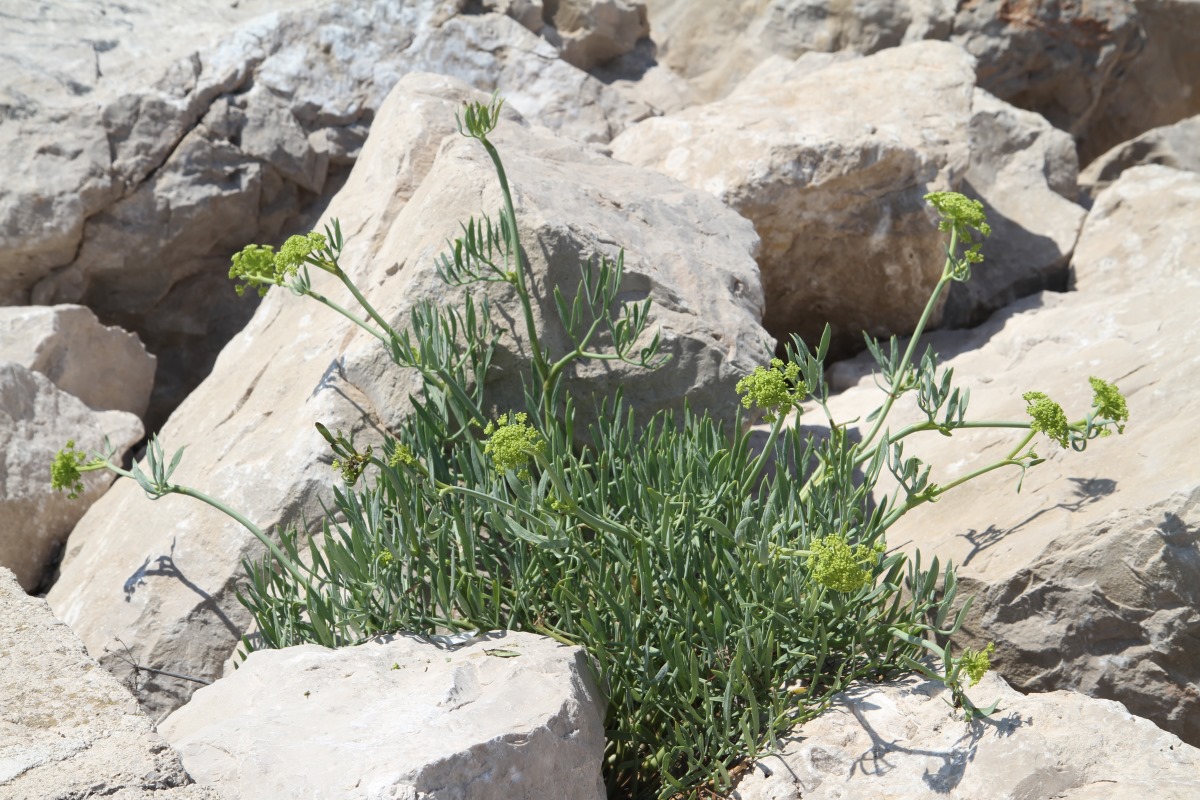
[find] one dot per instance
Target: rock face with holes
(68, 729)
(1089, 579)
(506, 715)
(128, 189)
(249, 427)
(901, 740)
(37, 419)
(830, 161)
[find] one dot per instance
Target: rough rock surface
(902, 741)
(830, 165)
(1089, 579)
(715, 45)
(506, 715)
(36, 421)
(249, 426)
(1176, 146)
(590, 32)
(128, 195)
(68, 729)
(105, 367)
(1024, 171)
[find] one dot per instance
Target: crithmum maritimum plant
(722, 602)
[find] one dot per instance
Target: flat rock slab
(901, 740)
(508, 715)
(69, 729)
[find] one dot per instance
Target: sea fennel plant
(725, 592)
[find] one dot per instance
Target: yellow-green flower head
(511, 443)
(254, 264)
(294, 252)
(64, 470)
(384, 557)
(775, 389)
(401, 455)
(977, 663)
(1048, 417)
(837, 565)
(1109, 402)
(352, 466)
(958, 210)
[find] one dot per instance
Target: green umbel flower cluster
(775, 389)
(840, 567)
(352, 465)
(64, 471)
(1048, 417)
(978, 663)
(402, 455)
(1109, 402)
(259, 265)
(961, 215)
(510, 443)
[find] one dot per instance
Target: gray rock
(249, 426)
(715, 45)
(901, 740)
(1088, 579)
(131, 197)
(1024, 171)
(68, 729)
(1176, 146)
(36, 421)
(507, 715)
(592, 32)
(830, 161)
(105, 367)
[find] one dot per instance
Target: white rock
(105, 367)
(68, 729)
(249, 427)
(901, 740)
(509, 715)
(36, 421)
(830, 162)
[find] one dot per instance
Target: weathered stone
(105, 367)
(1089, 579)
(901, 740)
(68, 729)
(131, 198)
(249, 426)
(830, 164)
(505, 715)
(1103, 71)
(591, 32)
(715, 45)
(1176, 146)
(36, 421)
(1024, 171)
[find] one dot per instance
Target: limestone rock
(36, 421)
(105, 367)
(129, 195)
(592, 32)
(1024, 171)
(715, 45)
(1103, 71)
(249, 426)
(1088, 579)
(830, 164)
(506, 715)
(1176, 146)
(68, 729)
(901, 740)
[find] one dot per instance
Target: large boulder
(715, 45)
(69, 729)
(105, 367)
(36, 420)
(1089, 578)
(249, 426)
(128, 191)
(901, 740)
(504, 715)
(830, 160)
(1176, 146)
(1024, 171)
